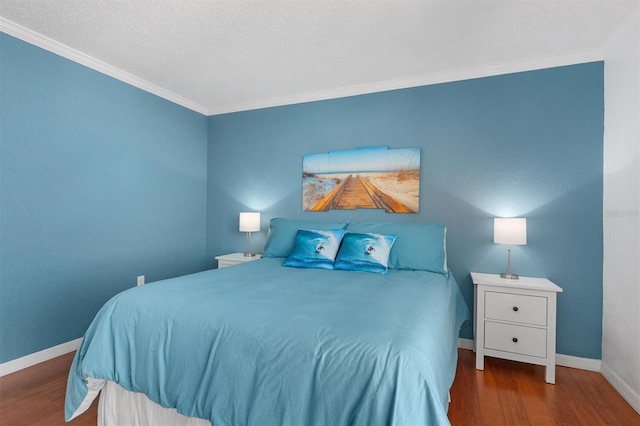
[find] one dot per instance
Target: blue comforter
(259, 343)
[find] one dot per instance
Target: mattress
(260, 343)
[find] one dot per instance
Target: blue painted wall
(527, 144)
(99, 182)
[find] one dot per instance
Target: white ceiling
(218, 56)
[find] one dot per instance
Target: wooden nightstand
(516, 320)
(226, 260)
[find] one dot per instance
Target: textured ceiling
(229, 55)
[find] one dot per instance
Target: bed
(263, 343)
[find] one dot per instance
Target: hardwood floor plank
(513, 393)
(35, 396)
(505, 393)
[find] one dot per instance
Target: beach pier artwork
(362, 178)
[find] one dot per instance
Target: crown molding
(419, 80)
(46, 43)
(67, 52)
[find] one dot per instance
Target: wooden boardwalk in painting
(356, 192)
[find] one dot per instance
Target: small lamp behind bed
(510, 232)
(249, 222)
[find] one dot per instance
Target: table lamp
(249, 222)
(510, 232)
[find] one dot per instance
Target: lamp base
(507, 276)
(250, 254)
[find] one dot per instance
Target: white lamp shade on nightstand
(249, 222)
(510, 231)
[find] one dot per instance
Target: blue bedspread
(259, 343)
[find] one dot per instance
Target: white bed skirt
(120, 407)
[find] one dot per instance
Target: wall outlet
(140, 280)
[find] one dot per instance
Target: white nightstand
(516, 320)
(226, 260)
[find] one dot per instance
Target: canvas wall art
(362, 178)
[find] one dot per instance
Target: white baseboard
(38, 357)
(632, 397)
(466, 344)
(622, 387)
(561, 360)
(579, 363)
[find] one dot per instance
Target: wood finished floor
(505, 393)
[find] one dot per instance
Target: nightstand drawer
(516, 339)
(516, 308)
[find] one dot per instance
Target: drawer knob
(515, 340)
(515, 309)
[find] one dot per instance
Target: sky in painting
(375, 159)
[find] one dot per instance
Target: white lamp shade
(510, 231)
(249, 222)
